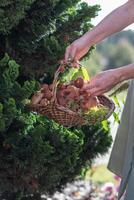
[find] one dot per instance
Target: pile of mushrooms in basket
(67, 103)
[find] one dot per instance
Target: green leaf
(116, 117)
(68, 75)
(116, 101)
(13, 70)
(81, 72)
(105, 125)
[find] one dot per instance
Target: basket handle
(55, 82)
(56, 76)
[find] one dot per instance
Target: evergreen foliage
(38, 155)
(36, 33)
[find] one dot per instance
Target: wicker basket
(64, 115)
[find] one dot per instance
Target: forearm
(126, 72)
(114, 22)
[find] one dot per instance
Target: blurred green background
(116, 51)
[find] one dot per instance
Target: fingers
(67, 54)
(91, 84)
(73, 54)
(96, 92)
(70, 53)
(94, 89)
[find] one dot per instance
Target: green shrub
(38, 155)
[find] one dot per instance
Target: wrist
(120, 75)
(89, 38)
(126, 72)
(95, 35)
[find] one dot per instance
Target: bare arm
(126, 72)
(106, 80)
(114, 22)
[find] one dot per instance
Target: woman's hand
(77, 49)
(103, 82)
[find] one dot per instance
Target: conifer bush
(38, 155)
(36, 33)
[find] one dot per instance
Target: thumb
(73, 54)
(67, 53)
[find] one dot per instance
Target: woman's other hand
(103, 82)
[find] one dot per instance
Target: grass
(100, 174)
